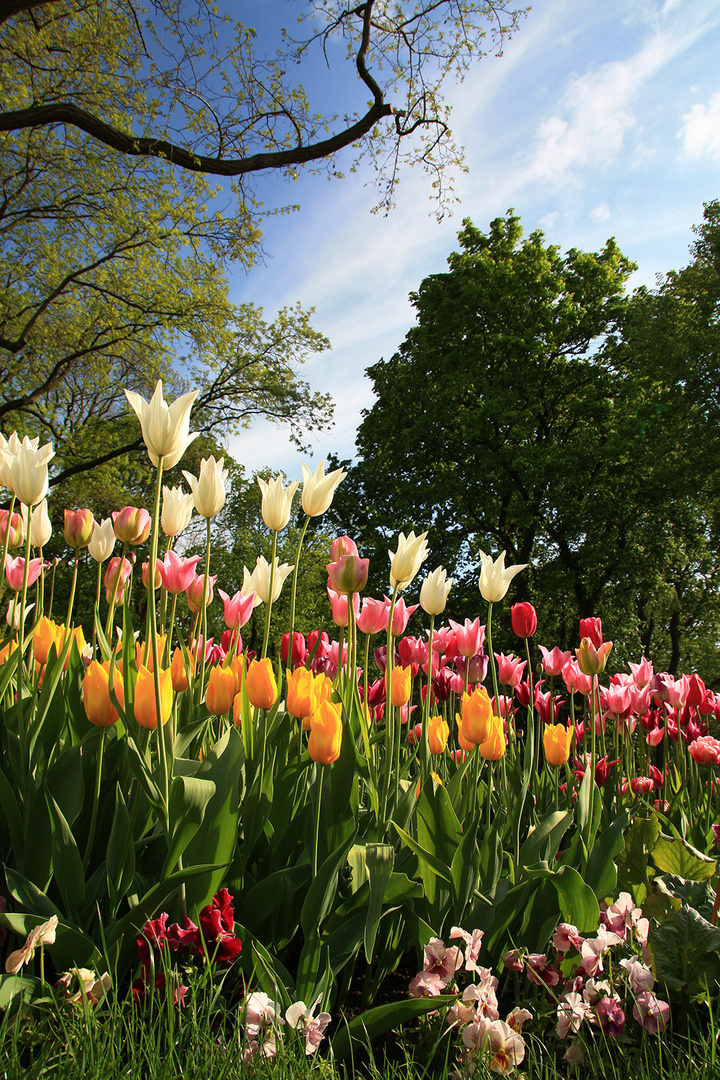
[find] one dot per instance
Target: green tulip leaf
(673, 855)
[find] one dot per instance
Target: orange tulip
(477, 715)
(144, 653)
(300, 699)
(326, 733)
(99, 709)
(79, 638)
(220, 691)
(47, 633)
(237, 666)
(237, 709)
(260, 684)
(178, 671)
(144, 706)
(438, 732)
(400, 678)
(464, 743)
(493, 747)
(557, 740)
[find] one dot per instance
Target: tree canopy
(536, 408)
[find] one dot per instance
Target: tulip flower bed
(535, 869)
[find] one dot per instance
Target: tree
(113, 240)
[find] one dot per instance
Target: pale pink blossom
(426, 984)
(566, 937)
(484, 994)
(473, 944)
(593, 949)
(517, 1018)
(651, 1012)
(639, 976)
(312, 1027)
(440, 960)
(554, 660)
(571, 1011)
(642, 673)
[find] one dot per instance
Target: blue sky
(600, 119)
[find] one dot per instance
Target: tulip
(276, 501)
(99, 709)
(12, 615)
(178, 671)
(220, 691)
(157, 576)
(325, 739)
(374, 615)
(300, 699)
(348, 575)
(557, 740)
(40, 526)
(554, 661)
(495, 577)
(468, 638)
(194, 592)
(238, 609)
(47, 633)
(165, 429)
(122, 573)
(132, 524)
(342, 545)
(523, 619)
(592, 628)
(177, 508)
(592, 660)
(15, 571)
(412, 551)
(102, 541)
(476, 716)
(145, 707)
(401, 616)
(298, 653)
(176, 572)
(434, 592)
(260, 684)
(15, 526)
(143, 652)
(400, 685)
(318, 490)
(438, 733)
(209, 487)
(30, 471)
(510, 669)
(493, 747)
(259, 581)
(339, 603)
(78, 528)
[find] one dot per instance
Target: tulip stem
(6, 542)
(492, 658)
(294, 589)
(162, 749)
(425, 747)
(71, 601)
(318, 804)
(97, 608)
(268, 613)
(21, 647)
(113, 597)
(203, 612)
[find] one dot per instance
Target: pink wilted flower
(44, 934)
(441, 961)
(651, 1012)
(302, 1019)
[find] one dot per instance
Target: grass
(205, 1041)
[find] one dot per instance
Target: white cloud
(700, 130)
(600, 213)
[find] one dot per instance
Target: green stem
(96, 800)
(294, 590)
(52, 588)
(113, 596)
(21, 649)
(492, 657)
(97, 608)
(71, 601)
(316, 840)
(162, 749)
(203, 611)
(6, 543)
(425, 746)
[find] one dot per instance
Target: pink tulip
(342, 545)
(468, 638)
(177, 572)
(79, 525)
(16, 528)
(146, 574)
(15, 571)
(132, 524)
(122, 573)
(374, 615)
(348, 574)
(554, 661)
(238, 608)
(575, 679)
(401, 616)
(642, 673)
(510, 669)
(339, 604)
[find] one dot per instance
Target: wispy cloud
(700, 130)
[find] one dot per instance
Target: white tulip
(412, 551)
(434, 592)
(495, 577)
(165, 428)
(318, 489)
(209, 487)
(276, 502)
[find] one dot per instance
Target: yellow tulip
(178, 671)
(99, 708)
(300, 700)
(400, 679)
(47, 633)
(438, 732)
(557, 740)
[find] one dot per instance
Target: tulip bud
(477, 716)
(220, 691)
(592, 660)
(412, 551)
(47, 633)
(15, 526)
(348, 574)
(132, 524)
(177, 508)
(434, 592)
(116, 571)
(209, 487)
(178, 671)
(158, 574)
(318, 489)
(493, 747)
(438, 732)
(78, 528)
(276, 502)
(194, 592)
(342, 545)
(592, 628)
(325, 739)
(145, 707)
(260, 684)
(102, 541)
(400, 685)
(523, 618)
